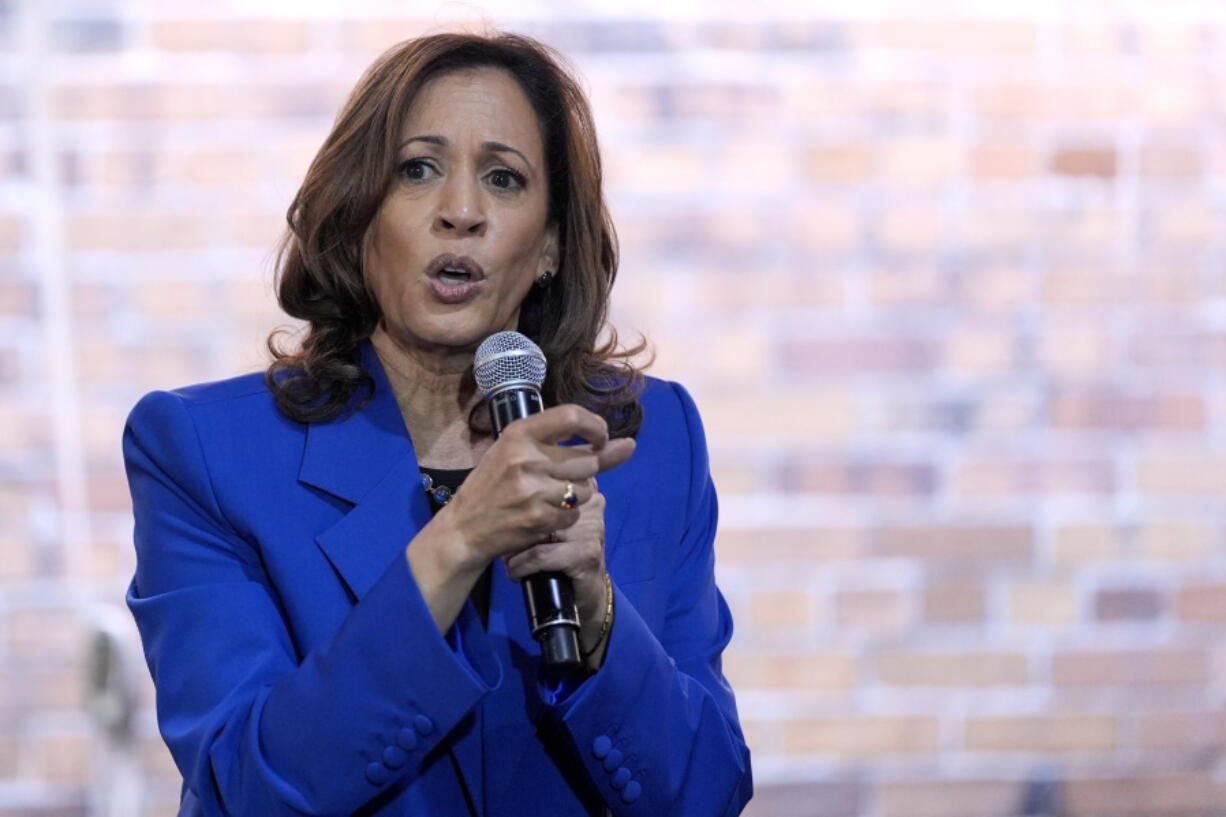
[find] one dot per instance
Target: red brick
(1205, 602)
(918, 101)
(959, 543)
(1098, 162)
(1047, 604)
(917, 162)
(869, 479)
(1128, 604)
(835, 163)
(143, 101)
(272, 36)
(1187, 225)
(978, 351)
(910, 229)
(984, 477)
(971, 668)
(1162, 162)
(12, 233)
(1114, 410)
(1097, 38)
(994, 162)
(781, 610)
(1138, 795)
(1013, 101)
(880, 611)
(793, 546)
(948, 798)
(43, 633)
(136, 231)
(956, 36)
(1181, 476)
(798, 416)
(858, 355)
(18, 299)
(1175, 540)
(60, 757)
(108, 492)
(823, 227)
(987, 227)
(1079, 351)
(1043, 734)
(862, 736)
(822, 798)
(952, 603)
(793, 671)
(1077, 544)
(906, 286)
(1129, 668)
(1182, 730)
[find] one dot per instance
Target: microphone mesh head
(506, 359)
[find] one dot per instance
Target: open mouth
(455, 270)
(454, 276)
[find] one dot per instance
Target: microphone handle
(549, 598)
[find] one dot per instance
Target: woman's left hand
(577, 551)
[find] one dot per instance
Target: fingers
(614, 453)
(561, 423)
(565, 556)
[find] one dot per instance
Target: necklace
(441, 484)
(441, 494)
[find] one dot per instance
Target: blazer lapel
(367, 459)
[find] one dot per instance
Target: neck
(436, 394)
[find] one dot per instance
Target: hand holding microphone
(543, 488)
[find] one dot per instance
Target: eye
(506, 179)
(415, 170)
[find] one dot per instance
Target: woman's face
(462, 234)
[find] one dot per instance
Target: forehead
(485, 103)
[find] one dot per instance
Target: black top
(451, 479)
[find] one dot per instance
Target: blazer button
(394, 757)
(612, 760)
(620, 778)
(601, 746)
(406, 739)
(377, 774)
(423, 725)
(631, 792)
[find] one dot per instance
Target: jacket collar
(349, 456)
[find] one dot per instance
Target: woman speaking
(329, 554)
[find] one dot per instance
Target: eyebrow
(493, 147)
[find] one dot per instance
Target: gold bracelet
(608, 616)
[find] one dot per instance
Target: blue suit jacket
(298, 670)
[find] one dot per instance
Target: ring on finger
(569, 497)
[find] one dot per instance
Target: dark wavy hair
(319, 268)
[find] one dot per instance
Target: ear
(549, 252)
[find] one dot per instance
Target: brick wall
(948, 284)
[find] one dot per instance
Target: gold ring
(570, 497)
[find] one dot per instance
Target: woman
(325, 636)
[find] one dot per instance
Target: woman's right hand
(513, 498)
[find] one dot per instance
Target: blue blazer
(298, 671)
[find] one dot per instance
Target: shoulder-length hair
(319, 270)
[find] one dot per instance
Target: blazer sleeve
(657, 725)
(253, 727)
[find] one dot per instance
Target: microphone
(509, 370)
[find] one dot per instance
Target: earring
(545, 280)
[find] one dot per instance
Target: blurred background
(947, 280)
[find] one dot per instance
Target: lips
(455, 278)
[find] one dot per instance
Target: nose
(460, 208)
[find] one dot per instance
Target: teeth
(454, 275)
